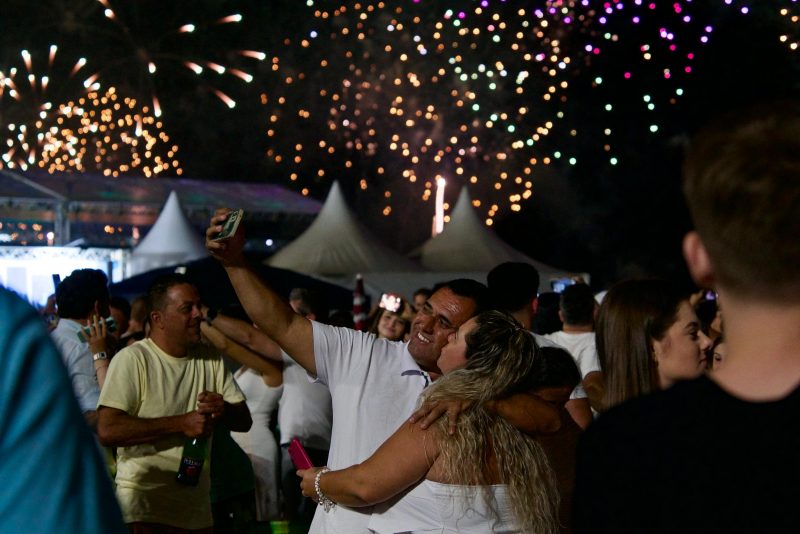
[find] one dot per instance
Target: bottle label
(190, 466)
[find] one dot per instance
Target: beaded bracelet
(324, 501)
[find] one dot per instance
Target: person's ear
(655, 348)
(560, 316)
(155, 319)
(535, 305)
(697, 260)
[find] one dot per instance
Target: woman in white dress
(261, 381)
(487, 477)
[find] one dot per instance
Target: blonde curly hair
(500, 361)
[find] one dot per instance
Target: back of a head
(309, 301)
(633, 314)
(121, 304)
(554, 367)
(467, 288)
(343, 318)
(77, 293)
(577, 305)
(156, 297)
(513, 285)
(742, 185)
(546, 320)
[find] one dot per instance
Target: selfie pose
(488, 476)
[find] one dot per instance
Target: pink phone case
(299, 456)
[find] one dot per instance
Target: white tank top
(446, 508)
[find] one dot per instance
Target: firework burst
(107, 133)
(29, 86)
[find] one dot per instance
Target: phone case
(231, 224)
(111, 326)
(299, 456)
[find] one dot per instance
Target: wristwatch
(99, 356)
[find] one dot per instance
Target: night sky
(567, 120)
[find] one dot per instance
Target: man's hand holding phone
(225, 236)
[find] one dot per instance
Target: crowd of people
(651, 409)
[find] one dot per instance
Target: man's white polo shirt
(374, 385)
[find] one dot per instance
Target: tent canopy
(337, 244)
(465, 249)
(467, 246)
(171, 240)
(465, 232)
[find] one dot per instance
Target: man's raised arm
(272, 315)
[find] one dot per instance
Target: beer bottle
(194, 454)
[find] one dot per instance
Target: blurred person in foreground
(158, 392)
(53, 477)
(720, 453)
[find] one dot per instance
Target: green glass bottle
(194, 455)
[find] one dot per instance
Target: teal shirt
(53, 478)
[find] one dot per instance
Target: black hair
(468, 288)
(546, 320)
(423, 291)
(77, 293)
(554, 367)
(311, 301)
(157, 292)
(577, 304)
(122, 304)
(513, 285)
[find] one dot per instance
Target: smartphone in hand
(111, 326)
(231, 224)
(299, 455)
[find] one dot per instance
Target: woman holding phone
(487, 477)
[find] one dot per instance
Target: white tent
(337, 245)
(467, 246)
(170, 241)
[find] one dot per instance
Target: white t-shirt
(582, 347)
(374, 385)
(305, 408)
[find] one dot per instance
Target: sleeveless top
(433, 507)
